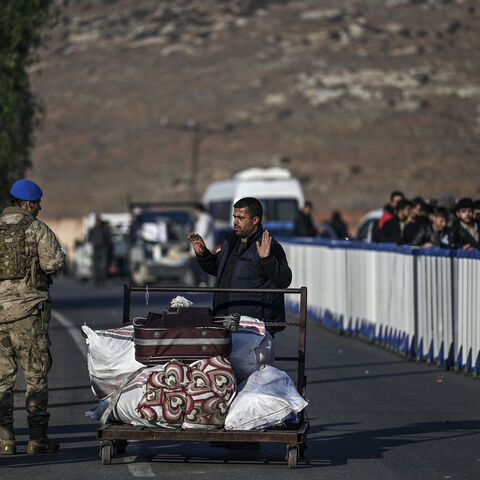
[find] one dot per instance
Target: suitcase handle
(137, 323)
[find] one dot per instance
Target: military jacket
(21, 297)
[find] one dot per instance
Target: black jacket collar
(232, 237)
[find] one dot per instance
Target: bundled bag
(111, 358)
(184, 333)
(265, 399)
(176, 395)
(252, 347)
(193, 396)
(124, 410)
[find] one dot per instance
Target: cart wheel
(106, 453)
(292, 457)
(121, 446)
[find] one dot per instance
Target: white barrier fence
(421, 302)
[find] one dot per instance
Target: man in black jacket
(439, 234)
(465, 232)
(392, 230)
(303, 225)
(249, 258)
(418, 231)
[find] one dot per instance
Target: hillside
(356, 98)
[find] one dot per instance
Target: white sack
(265, 399)
(180, 301)
(111, 358)
(125, 409)
(252, 347)
(154, 232)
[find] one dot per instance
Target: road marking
(139, 469)
(73, 330)
(136, 469)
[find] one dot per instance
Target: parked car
(367, 224)
(326, 231)
(158, 247)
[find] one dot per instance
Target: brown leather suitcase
(185, 334)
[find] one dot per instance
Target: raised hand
(197, 242)
(263, 249)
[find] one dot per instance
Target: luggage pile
(185, 368)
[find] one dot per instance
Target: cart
(114, 437)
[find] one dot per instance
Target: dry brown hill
(355, 97)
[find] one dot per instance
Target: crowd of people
(442, 223)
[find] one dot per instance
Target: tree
(22, 23)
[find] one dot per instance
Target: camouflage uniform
(24, 316)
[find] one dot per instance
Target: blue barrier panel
(419, 301)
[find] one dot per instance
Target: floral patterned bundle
(199, 393)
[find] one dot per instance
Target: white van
(281, 196)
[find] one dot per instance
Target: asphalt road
(373, 415)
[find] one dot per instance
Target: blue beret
(26, 190)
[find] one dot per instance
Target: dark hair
(476, 204)
(441, 212)
(418, 201)
(396, 193)
(402, 204)
(464, 203)
(199, 206)
(308, 203)
(336, 215)
(15, 202)
(253, 206)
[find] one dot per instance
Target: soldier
(29, 254)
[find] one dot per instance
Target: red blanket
(198, 393)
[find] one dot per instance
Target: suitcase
(186, 334)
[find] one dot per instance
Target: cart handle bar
(154, 288)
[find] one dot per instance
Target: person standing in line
(337, 223)
(392, 230)
(29, 255)
(419, 227)
(388, 211)
(303, 225)
(100, 238)
(249, 258)
(439, 233)
(465, 231)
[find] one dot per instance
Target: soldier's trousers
(26, 341)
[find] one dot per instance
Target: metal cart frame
(115, 436)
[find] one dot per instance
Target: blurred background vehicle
(279, 192)
(158, 245)
(326, 231)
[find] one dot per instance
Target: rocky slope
(356, 98)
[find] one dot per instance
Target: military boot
(8, 447)
(45, 445)
(7, 442)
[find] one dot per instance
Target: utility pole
(201, 132)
